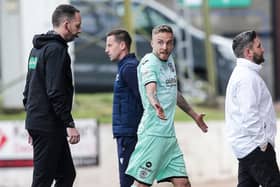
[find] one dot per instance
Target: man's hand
(160, 112)
(74, 135)
(29, 140)
(200, 122)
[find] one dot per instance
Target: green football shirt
(163, 73)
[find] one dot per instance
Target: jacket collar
(122, 61)
(242, 62)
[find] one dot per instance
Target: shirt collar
(249, 64)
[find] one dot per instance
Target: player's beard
(258, 59)
(163, 55)
(71, 36)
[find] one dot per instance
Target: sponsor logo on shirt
(171, 81)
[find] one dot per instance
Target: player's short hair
(162, 28)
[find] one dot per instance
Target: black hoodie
(48, 92)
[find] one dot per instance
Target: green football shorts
(157, 158)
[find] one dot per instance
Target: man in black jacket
(48, 98)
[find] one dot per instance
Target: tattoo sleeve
(152, 94)
(152, 98)
(182, 103)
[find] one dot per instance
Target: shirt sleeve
(57, 84)
(148, 72)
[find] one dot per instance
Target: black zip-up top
(48, 93)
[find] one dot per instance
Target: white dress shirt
(249, 111)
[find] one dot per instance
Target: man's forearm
(183, 104)
(151, 91)
(152, 97)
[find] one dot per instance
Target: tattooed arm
(198, 118)
(151, 89)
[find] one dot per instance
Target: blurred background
(204, 60)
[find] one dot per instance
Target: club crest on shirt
(32, 63)
(171, 67)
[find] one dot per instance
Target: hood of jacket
(41, 40)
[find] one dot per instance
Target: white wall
(20, 20)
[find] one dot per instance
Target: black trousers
(125, 145)
(259, 168)
(52, 160)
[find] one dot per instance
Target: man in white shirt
(250, 116)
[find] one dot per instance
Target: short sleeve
(148, 72)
